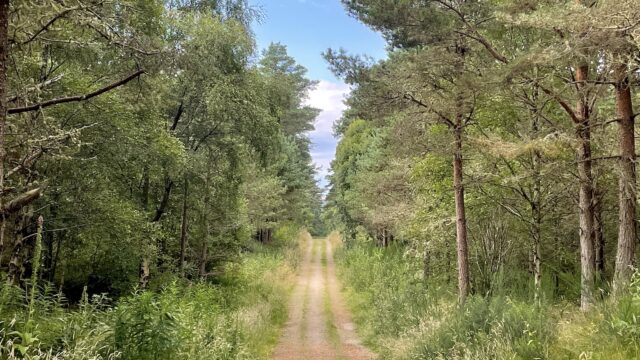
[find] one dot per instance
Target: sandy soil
(319, 325)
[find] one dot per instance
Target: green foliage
(238, 319)
(170, 172)
(405, 316)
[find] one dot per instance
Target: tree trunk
(4, 55)
(50, 239)
(164, 202)
(144, 273)
(56, 258)
(598, 228)
(16, 262)
(537, 239)
(585, 175)
(202, 271)
(461, 219)
(145, 188)
(625, 257)
(160, 210)
(184, 227)
(462, 247)
(536, 204)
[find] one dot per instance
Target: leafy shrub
(404, 316)
(238, 319)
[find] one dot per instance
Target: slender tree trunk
(537, 239)
(202, 271)
(184, 227)
(587, 254)
(51, 238)
(585, 175)
(625, 257)
(598, 227)
(145, 188)
(56, 258)
(160, 210)
(461, 219)
(48, 259)
(536, 203)
(462, 247)
(144, 273)
(4, 57)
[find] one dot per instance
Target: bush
(403, 316)
(238, 319)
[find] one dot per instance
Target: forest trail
(319, 325)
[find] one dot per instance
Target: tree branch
(26, 162)
(445, 119)
(37, 87)
(76, 98)
(562, 103)
(176, 118)
(21, 201)
(487, 45)
(46, 26)
(168, 185)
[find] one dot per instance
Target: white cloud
(329, 98)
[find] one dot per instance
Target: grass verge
(240, 318)
(403, 317)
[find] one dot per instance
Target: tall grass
(240, 318)
(402, 316)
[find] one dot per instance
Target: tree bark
(535, 202)
(599, 240)
(625, 257)
(164, 202)
(16, 261)
(462, 247)
(184, 227)
(585, 175)
(536, 230)
(4, 55)
(461, 219)
(202, 271)
(160, 210)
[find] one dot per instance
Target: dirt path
(319, 325)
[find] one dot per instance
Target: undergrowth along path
(319, 325)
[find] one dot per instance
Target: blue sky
(307, 28)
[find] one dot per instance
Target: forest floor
(319, 325)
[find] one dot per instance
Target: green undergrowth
(403, 317)
(238, 318)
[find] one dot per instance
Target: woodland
(156, 179)
(494, 154)
(144, 146)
